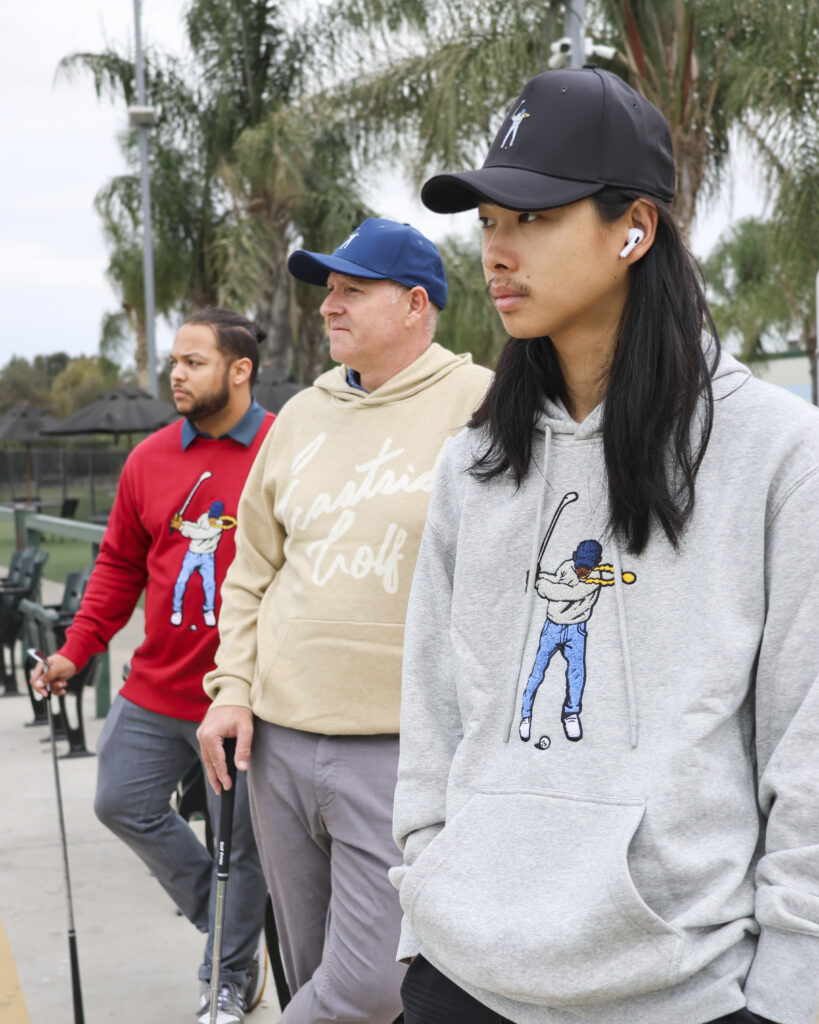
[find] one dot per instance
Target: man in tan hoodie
(312, 622)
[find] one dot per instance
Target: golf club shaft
(222, 871)
(567, 499)
(76, 990)
(205, 476)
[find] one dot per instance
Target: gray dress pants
(142, 757)
(322, 812)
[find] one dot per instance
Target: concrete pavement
(138, 957)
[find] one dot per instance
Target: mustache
(507, 282)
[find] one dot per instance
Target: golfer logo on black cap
(517, 117)
(592, 131)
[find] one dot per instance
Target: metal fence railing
(30, 527)
(49, 476)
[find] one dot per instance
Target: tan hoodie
(312, 620)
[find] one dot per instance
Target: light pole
(143, 118)
(814, 370)
(574, 27)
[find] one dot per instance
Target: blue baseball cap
(587, 555)
(383, 250)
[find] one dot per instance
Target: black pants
(429, 997)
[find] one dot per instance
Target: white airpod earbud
(635, 236)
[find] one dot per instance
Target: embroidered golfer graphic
(347, 241)
(517, 118)
(204, 535)
(571, 592)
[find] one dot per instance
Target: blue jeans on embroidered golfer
(570, 640)
(191, 563)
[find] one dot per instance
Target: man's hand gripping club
(219, 724)
(51, 678)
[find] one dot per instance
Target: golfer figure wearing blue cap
(312, 618)
(204, 535)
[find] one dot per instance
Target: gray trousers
(142, 757)
(322, 812)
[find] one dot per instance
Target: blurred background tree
(24, 382)
(82, 382)
(57, 383)
(469, 323)
(751, 294)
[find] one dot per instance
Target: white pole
(147, 242)
(574, 26)
(815, 367)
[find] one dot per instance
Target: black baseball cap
(569, 134)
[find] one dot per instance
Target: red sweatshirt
(180, 566)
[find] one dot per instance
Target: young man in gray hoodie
(612, 818)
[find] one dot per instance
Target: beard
(211, 403)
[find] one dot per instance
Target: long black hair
(236, 336)
(659, 406)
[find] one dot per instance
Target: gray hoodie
(607, 796)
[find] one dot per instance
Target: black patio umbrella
(124, 410)
(273, 389)
(25, 424)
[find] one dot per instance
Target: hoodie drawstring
(628, 676)
(530, 591)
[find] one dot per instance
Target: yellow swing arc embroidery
(609, 581)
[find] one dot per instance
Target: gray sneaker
(230, 1004)
(256, 975)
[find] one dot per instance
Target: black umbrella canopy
(121, 411)
(24, 423)
(272, 390)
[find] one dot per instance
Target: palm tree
(290, 183)
(469, 322)
(238, 171)
(749, 290)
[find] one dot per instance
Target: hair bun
(258, 332)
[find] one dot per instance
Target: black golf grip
(226, 813)
(76, 991)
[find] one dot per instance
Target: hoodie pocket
(528, 895)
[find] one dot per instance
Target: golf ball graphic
(543, 743)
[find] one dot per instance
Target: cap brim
(512, 187)
(315, 268)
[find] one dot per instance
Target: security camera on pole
(575, 48)
(562, 52)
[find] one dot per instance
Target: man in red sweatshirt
(171, 534)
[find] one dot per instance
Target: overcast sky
(59, 145)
